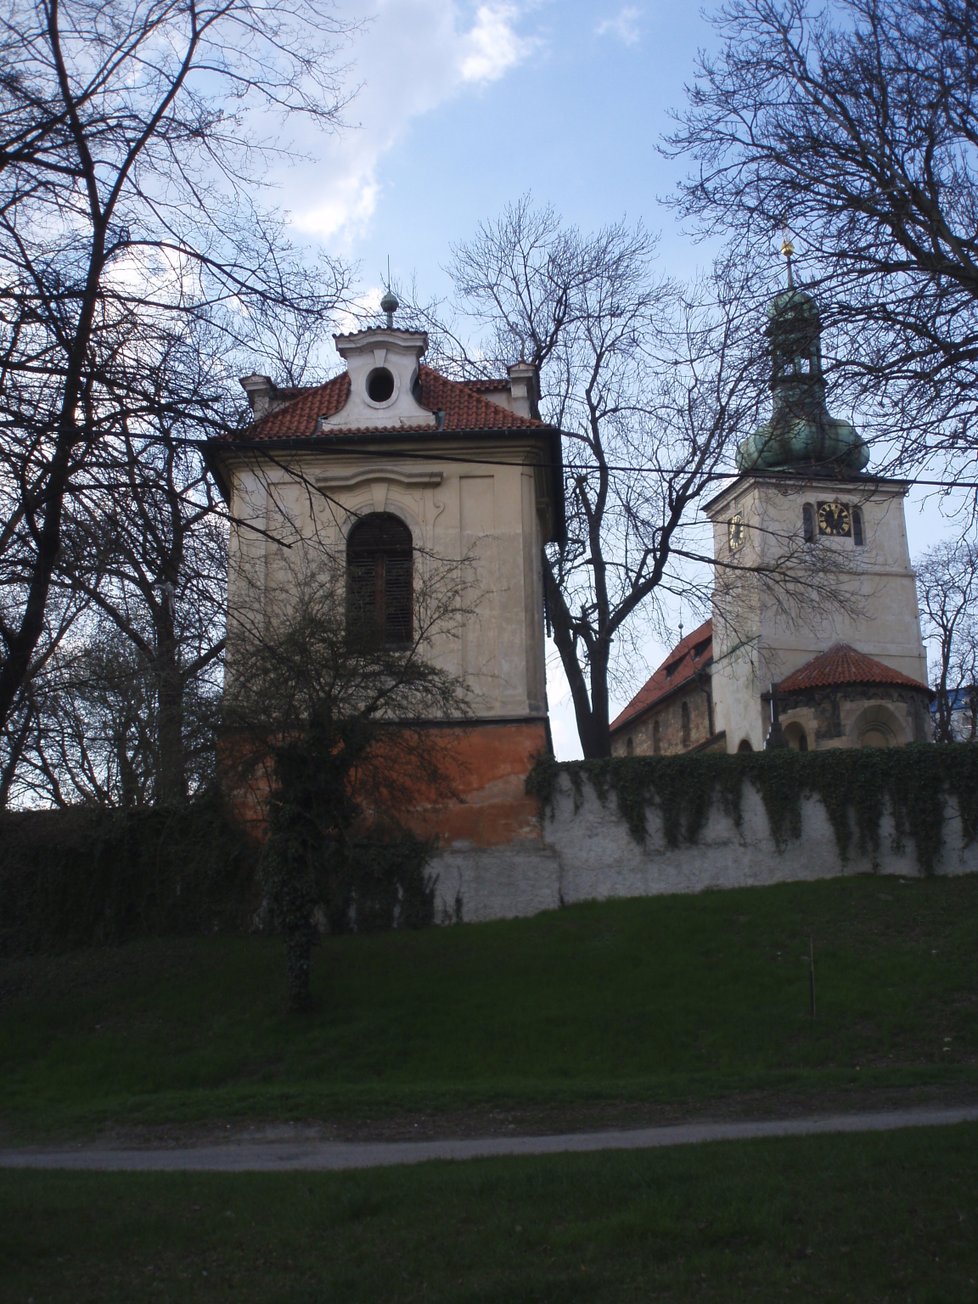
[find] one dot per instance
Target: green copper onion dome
(800, 435)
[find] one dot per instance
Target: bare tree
(143, 563)
(947, 584)
(90, 720)
(130, 134)
(19, 736)
(326, 726)
(146, 544)
(857, 124)
(647, 385)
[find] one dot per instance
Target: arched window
(684, 723)
(858, 535)
(379, 565)
(656, 738)
(808, 522)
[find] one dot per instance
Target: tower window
(684, 723)
(858, 535)
(656, 738)
(379, 567)
(808, 522)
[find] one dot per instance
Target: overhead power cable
(617, 468)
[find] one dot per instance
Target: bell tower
(810, 550)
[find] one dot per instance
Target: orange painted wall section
(471, 792)
(489, 764)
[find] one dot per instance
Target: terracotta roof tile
(843, 664)
(694, 653)
(464, 409)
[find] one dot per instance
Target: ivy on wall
(856, 787)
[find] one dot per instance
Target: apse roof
(841, 665)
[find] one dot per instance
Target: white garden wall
(586, 852)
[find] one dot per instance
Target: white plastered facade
(477, 507)
(779, 601)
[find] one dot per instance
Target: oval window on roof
(380, 385)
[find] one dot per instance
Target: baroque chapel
(401, 475)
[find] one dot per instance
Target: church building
(815, 637)
(401, 476)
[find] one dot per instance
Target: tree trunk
(171, 780)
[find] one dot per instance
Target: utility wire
(337, 444)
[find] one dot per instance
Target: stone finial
(524, 389)
(389, 304)
(261, 391)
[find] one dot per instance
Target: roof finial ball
(389, 305)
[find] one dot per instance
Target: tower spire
(800, 434)
(788, 249)
(389, 304)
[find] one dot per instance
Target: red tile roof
(464, 408)
(843, 664)
(694, 653)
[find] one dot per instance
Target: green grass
(675, 1001)
(884, 1217)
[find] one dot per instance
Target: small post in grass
(811, 976)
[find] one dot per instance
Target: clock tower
(812, 565)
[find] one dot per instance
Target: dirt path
(285, 1148)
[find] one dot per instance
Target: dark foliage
(94, 877)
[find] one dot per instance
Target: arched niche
(877, 726)
(795, 736)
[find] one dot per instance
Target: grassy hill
(875, 1219)
(622, 1011)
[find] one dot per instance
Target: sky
(461, 108)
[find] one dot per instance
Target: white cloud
(494, 44)
(624, 25)
(344, 206)
(409, 58)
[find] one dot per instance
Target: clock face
(736, 531)
(834, 519)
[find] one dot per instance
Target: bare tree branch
(636, 374)
(133, 139)
(858, 125)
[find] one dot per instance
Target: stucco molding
(351, 479)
